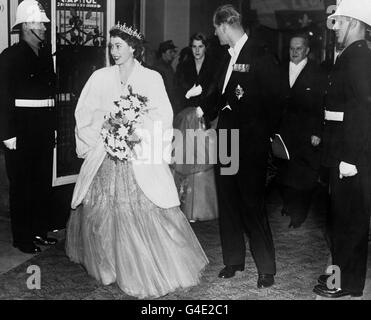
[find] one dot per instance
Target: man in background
(301, 130)
(166, 55)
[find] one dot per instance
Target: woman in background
(127, 226)
(195, 182)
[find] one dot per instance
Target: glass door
(80, 47)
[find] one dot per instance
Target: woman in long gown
(126, 225)
(195, 182)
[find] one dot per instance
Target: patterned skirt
(120, 236)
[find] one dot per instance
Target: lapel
(227, 58)
(301, 75)
(286, 76)
(192, 70)
(243, 58)
(206, 69)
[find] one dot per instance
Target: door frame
(110, 21)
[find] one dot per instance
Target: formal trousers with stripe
(349, 226)
(242, 211)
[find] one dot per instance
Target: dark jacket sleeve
(213, 100)
(316, 116)
(357, 109)
(7, 110)
(269, 77)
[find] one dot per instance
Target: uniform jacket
(349, 91)
(24, 75)
(97, 100)
(251, 93)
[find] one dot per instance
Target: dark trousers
(242, 210)
(296, 203)
(349, 226)
(30, 186)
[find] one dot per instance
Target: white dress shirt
(295, 70)
(234, 52)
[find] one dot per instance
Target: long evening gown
(195, 182)
(120, 236)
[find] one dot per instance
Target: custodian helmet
(357, 9)
(30, 11)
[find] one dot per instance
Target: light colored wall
(154, 22)
(166, 20)
(3, 24)
(177, 14)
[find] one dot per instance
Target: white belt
(34, 103)
(334, 116)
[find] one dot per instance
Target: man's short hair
(303, 36)
(227, 14)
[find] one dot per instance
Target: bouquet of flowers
(118, 130)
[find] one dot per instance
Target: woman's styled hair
(199, 36)
(133, 38)
(227, 14)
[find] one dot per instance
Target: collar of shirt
(300, 66)
(295, 69)
(235, 51)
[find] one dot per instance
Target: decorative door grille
(81, 28)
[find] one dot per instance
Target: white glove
(194, 91)
(347, 170)
(199, 112)
(315, 141)
(11, 144)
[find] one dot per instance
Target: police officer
(27, 126)
(347, 151)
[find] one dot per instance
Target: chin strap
(42, 42)
(342, 45)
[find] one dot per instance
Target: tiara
(128, 30)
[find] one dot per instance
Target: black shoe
(28, 248)
(229, 271)
(322, 279)
(323, 291)
(265, 280)
(294, 225)
(45, 241)
(295, 222)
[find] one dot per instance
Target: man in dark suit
(242, 99)
(347, 151)
(301, 130)
(167, 52)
